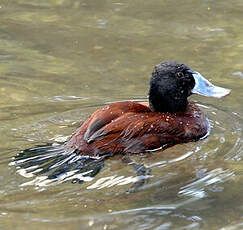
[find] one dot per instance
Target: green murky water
(60, 60)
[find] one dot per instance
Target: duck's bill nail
(206, 88)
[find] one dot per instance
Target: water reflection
(52, 165)
(214, 177)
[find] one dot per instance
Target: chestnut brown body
(132, 127)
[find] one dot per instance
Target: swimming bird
(168, 118)
(130, 127)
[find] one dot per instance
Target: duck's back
(131, 127)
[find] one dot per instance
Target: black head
(170, 85)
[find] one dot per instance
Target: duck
(124, 128)
(166, 119)
(132, 127)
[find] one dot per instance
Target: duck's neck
(163, 103)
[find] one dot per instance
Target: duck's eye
(179, 74)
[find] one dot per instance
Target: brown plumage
(131, 127)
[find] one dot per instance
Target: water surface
(60, 60)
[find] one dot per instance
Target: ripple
(198, 188)
(52, 165)
(117, 180)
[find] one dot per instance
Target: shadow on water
(51, 164)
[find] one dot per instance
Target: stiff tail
(52, 164)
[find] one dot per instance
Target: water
(60, 60)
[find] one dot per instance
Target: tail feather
(56, 165)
